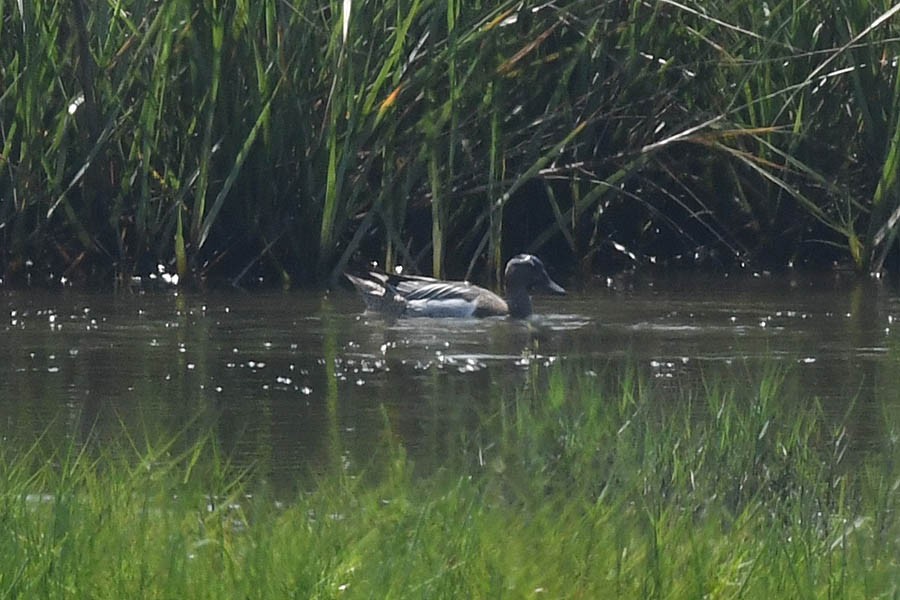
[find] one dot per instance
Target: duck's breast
(490, 305)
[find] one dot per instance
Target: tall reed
(289, 139)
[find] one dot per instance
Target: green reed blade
(438, 214)
(886, 200)
(235, 170)
(210, 103)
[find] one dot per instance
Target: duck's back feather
(415, 295)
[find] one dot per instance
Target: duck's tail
(378, 294)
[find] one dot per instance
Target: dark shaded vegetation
(241, 140)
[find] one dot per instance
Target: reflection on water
(293, 380)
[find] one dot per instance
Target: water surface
(290, 380)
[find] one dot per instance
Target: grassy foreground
(567, 490)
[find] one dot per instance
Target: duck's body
(415, 296)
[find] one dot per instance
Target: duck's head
(527, 272)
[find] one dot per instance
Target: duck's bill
(554, 288)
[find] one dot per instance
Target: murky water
(289, 380)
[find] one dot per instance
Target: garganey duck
(416, 296)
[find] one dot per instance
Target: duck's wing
(451, 298)
(434, 289)
(425, 296)
(412, 286)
